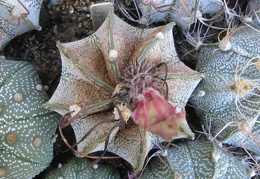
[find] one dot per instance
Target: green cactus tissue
(228, 99)
(75, 169)
(196, 159)
(18, 17)
(182, 12)
(26, 129)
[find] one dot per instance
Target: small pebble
(59, 165)
(85, 23)
(46, 87)
(80, 25)
(71, 10)
(55, 30)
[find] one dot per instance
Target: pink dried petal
(156, 115)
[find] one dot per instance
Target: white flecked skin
(221, 106)
(26, 128)
(182, 12)
(72, 170)
(86, 62)
(254, 13)
(10, 15)
(196, 159)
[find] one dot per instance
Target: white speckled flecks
(182, 12)
(71, 170)
(196, 159)
(221, 109)
(26, 128)
(89, 57)
(13, 25)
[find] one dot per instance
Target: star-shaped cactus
(27, 130)
(228, 99)
(18, 17)
(124, 66)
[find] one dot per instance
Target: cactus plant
(73, 169)
(183, 12)
(253, 12)
(196, 159)
(228, 97)
(118, 60)
(18, 17)
(250, 141)
(26, 129)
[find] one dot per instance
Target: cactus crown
(136, 78)
(132, 68)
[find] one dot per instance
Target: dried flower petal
(156, 115)
(126, 113)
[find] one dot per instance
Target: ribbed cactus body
(196, 159)
(98, 63)
(18, 17)
(26, 129)
(76, 169)
(227, 99)
(182, 12)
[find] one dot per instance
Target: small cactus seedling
(26, 129)
(228, 98)
(73, 168)
(18, 17)
(196, 159)
(129, 69)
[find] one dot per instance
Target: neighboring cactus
(124, 61)
(182, 12)
(26, 129)
(253, 13)
(18, 17)
(196, 159)
(227, 100)
(75, 169)
(249, 141)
